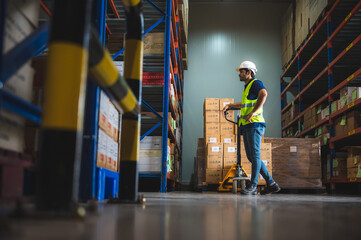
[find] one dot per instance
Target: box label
(213, 140)
(293, 149)
(231, 149)
(228, 140)
(215, 149)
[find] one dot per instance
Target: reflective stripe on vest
(247, 107)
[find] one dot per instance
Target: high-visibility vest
(247, 107)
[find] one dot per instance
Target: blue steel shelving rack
(31, 47)
(36, 43)
(334, 42)
(166, 15)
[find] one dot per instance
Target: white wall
(221, 36)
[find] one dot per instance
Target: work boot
(250, 190)
(273, 187)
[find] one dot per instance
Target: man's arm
(262, 96)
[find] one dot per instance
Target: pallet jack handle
(239, 133)
(225, 115)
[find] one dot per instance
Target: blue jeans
(252, 142)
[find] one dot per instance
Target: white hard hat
(248, 65)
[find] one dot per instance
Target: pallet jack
(236, 177)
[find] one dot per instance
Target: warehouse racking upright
(162, 16)
(327, 61)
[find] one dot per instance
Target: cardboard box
(296, 162)
(229, 161)
(21, 83)
(17, 27)
(211, 116)
(214, 162)
(302, 22)
(102, 149)
(109, 153)
(347, 91)
(215, 149)
(103, 110)
(316, 8)
(113, 122)
(12, 131)
(343, 102)
(324, 113)
(356, 93)
(288, 35)
(227, 129)
(211, 129)
(340, 173)
(151, 142)
(112, 155)
(213, 176)
(224, 102)
(229, 139)
(154, 43)
(354, 172)
(29, 9)
(334, 106)
(341, 125)
(353, 161)
(353, 120)
(120, 67)
(352, 150)
(230, 150)
(211, 104)
(150, 160)
(340, 167)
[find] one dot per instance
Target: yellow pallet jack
(236, 177)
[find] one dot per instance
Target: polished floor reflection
(208, 216)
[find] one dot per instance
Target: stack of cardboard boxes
(296, 162)
(354, 162)
(346, 164)
(288, 35)
(150, 155)
(220, 138)
(108, 134)
(200, 165)
(351, 120)
(20, 21)
(288, 117)
(297, 22)
(217, 131)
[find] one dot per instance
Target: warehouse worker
(253, 126)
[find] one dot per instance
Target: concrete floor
(208, 216)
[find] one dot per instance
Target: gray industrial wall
(221, 36)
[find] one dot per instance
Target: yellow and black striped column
(133, 68)
(63, 109)
(103, 71)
